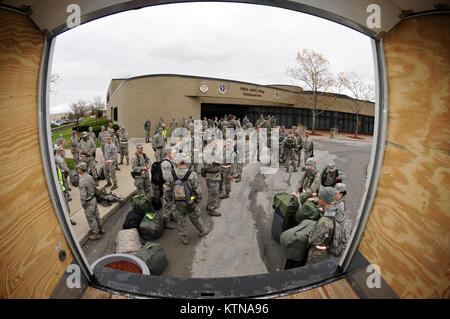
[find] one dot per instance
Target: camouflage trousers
(238, 170)
(317, 255)
(224, 179)
(76, 158)
(159, 154)
(110, 172)
(299, 156)
(143, 185)
(168, 204)
(93, 216)
(291, 158)
(193, 212)
(147, 136)
(124, 151)
(213, 194)
(307, 154)
(90, 161)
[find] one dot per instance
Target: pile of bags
(292, 225)
(143, 224)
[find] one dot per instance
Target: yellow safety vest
(60, 179)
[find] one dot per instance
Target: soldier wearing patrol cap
(331, 175)
(183, 208)
(89, 202)
(87, 149)
(321, 237)
(102, 138)
(75, 147)
(59, 140)
(140, 165)
(110, 154)
(123, 140)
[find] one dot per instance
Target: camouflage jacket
(310, 181)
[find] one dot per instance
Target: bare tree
(97, 106)
(312, 71)
(360, 91)
(78, 110)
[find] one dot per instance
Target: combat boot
(72, 222)
(168, 225)
(114, 186)
(101, 231)
(223, 196)
(204, 232)
(94, 236)
(238, 179)
(108, 184)
(117, 168)
(214, 213)
(220, 188)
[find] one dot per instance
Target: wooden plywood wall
(408, 232)
(29, 229)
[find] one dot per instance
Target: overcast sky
(232, 41)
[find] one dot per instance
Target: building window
(115, 117)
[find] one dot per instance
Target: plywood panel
(337, 290)
(408, 232)
(29, 229)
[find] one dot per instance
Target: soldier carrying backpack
(187, 194)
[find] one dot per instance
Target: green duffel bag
(154, 257)
(142, 204)
(151, 226)
(308, 210)
(295, 240)
(286, 204)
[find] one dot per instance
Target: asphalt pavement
(240, 242)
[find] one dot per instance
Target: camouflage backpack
(180, 187)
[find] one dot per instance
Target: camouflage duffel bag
(154, 257)
(286, 204)
(295, 241)
(308, 210)
(152, 226)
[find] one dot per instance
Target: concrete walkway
(125, 189)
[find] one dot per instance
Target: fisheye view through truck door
(141, 119)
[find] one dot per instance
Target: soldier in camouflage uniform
(309, 184)
(167, 198)
(89, 202)
(191, 209)
(281, 137)
(158, 144)
(115, 141)
(298, 136)
(226, 171)
(331, 175)
(308, 146)
(87, 150)
(322, 235)
(75, 148)
(110, 154)
(212, 176)
(62, 165)
(147, 128)
(102, 138)
(237, 166)
(123, 140)
(59, 139)
(140, 165)
(290, 147)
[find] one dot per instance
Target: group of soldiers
(314, 185)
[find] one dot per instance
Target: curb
(83, 240)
